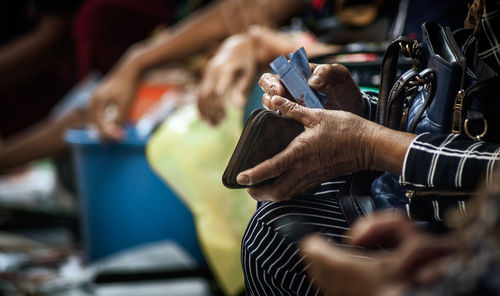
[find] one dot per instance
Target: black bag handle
(389, 68)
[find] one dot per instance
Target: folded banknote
(293, 74)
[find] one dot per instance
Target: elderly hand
(232, 68)
(411, 258)
(334, 143)
(333, 80)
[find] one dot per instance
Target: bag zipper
(412, 193)
(461, 100)
(456, 123)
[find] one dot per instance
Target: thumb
(291, 109)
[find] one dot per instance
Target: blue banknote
(293, 74)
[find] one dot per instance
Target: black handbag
(442, 93)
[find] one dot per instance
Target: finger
(336, 82)
(218, 109)
(266, 101)
(271, 84)
(224, 80)
(114, 118)
(327, 75)
(292, 110)
(338, 271)
(207, 103)
(209, 108)
(279, 190)
(285, 187)
(385, 229)
(113, 132)
(272, 167)
(421, 250)
(242, 87)
(434, 272)
(107, 127)
(203, 95)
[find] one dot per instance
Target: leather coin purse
(266, 133)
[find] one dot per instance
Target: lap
(271, 259)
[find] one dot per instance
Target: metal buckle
(478, 137)
(406, 48)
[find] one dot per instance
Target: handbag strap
(394, 109)
(389, 67)
(427, 78)
(355, 197)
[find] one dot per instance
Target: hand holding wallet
(266, 133)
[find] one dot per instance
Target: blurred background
(143, 211)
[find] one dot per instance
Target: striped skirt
(271, 261)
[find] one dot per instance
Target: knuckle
(323, 69)
(292, 108)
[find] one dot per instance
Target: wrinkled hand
(110, 104)
(412, 258)
(333, 143)
(333, 80)
(232, 68)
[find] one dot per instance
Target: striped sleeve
(448, 163)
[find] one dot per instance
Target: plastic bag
(190, 155)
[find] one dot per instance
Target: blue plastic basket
(122, 202)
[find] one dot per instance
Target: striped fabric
(489, 39)
(443, 171)
(448, 163)
(271, 261)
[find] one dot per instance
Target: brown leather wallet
(266, 133)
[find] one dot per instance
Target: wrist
(263, 53)
(388, 149)
(135, 60)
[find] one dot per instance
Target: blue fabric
(388, 193)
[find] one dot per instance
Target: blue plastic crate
(122, 202)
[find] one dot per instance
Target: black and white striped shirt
(448, 163)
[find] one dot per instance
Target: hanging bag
(440, 94)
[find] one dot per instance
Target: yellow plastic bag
(191, 156)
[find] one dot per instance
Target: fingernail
(267, 97)
(243, 179)
(315, 80)
(272, 89)
(278, 101)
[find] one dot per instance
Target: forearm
(387, 148)
(33, 53)
(209, 25)
(42, 140)
(270, 44)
